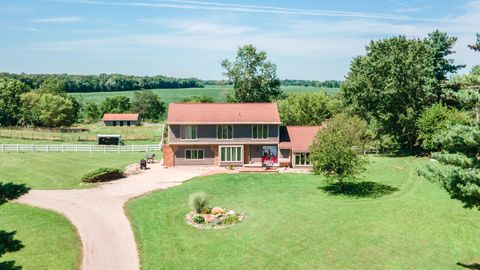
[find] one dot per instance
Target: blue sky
(182, 38)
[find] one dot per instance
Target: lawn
(81, 133)
(392, 219)
(218, 93)
(50, 240)
(59, 170)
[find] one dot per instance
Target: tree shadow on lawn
(473, 266)
(359, 190)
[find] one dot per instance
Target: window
(302, 159)
(225, 132)
(128, 123)
(259, 132)
(114, 123)
(121, 123)
(231, 154)
(194, 154)
(188, 132)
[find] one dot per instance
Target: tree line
(286, 82)
(105, 82)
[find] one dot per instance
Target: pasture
(389, 219)
(218, 93)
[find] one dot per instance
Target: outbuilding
(121, 119)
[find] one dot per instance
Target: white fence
(78, 148)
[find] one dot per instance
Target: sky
(306, 39)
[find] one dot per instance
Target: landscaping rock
(132, 169)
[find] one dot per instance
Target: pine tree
(458, 167)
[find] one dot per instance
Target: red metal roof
(120, 117)
(297, 138)
(223, 113)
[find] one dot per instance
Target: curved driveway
(98, 213)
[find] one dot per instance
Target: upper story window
(188, 132)
(225, 132)
(259, 132)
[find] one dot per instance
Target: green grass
(59, 170)
(85, 133)
(295, 222)
(218, 93)
(50, 240)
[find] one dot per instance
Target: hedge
(103, 175)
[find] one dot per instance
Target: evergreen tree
(458, 167)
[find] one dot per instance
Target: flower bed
(214, 218)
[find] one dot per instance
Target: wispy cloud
(70, 19)
(215, 6)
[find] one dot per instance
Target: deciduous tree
(337, 151)
(116, 104)
(148, 105)
(10, 92)
(254, 77)
(307, 108)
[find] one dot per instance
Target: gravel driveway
(98, 213)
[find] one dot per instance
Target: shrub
(198, 219)
(198, 201)
(103, 175)
(232, 219)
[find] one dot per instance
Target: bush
(198, 219)
(198, 201)
(231, 219)
(103, 175)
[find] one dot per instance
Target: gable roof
(298, 138)
(120, 117)
(223, 113)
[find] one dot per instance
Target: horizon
(307, 40)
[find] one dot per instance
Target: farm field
(82, 133)
(50, 240)
(218, 93)
(390, 219)
(59, 170)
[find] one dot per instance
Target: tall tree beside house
(307, 108)
(254, 77)
(116, 104)
(458, 166)
(8, 243)
(338, 149)
(10, 93)
(148, 105)
(397, 80)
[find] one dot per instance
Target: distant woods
(105, 82)
(119, 82)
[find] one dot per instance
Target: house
(238, 134)
(121, 119)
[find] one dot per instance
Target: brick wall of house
(216, 161)
(246, 154)
(168, 157)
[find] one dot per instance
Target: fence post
(132, 148)
(90, 148)
(104, 149)
(3, 150)
(63, 148)
(148, 148)
(33, 148)
(18, 150)
(76, 148)
(48, 148)
(119, 148)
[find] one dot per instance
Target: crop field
(218, 93)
